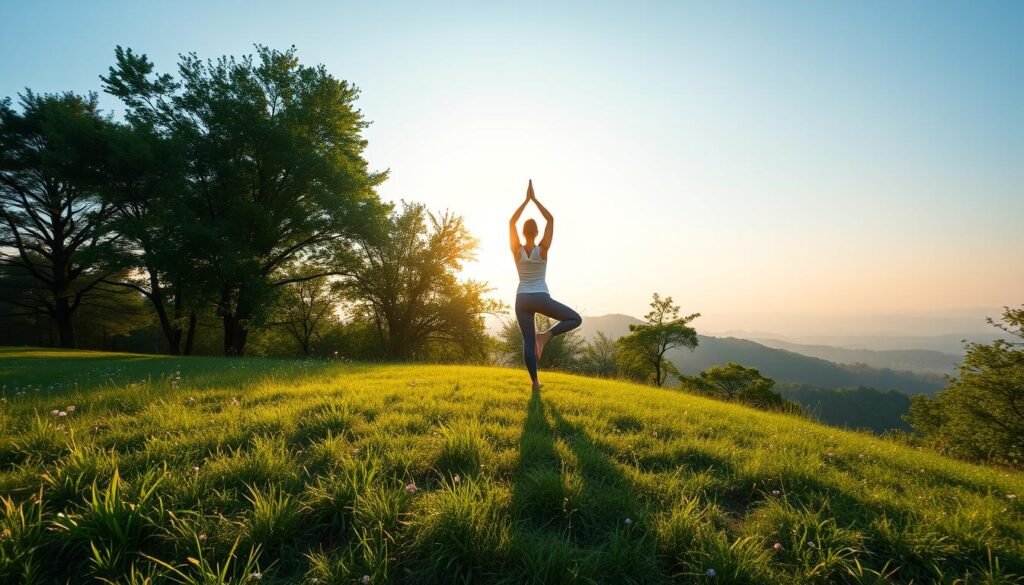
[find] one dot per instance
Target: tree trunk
(65, 328)
(235, 330)
(172, 332)
(191, 335)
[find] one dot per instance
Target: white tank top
(532, 268)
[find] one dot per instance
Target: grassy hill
(286, 471)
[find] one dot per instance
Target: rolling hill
(149, 469)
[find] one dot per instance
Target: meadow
(125, 468)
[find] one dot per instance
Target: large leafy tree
(52, 225)
(642, 351)
(275, 169)
(980, 414)
(406, 285)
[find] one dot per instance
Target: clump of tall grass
(461, 449)
(462, 533)
(115, 521)
(275, 520)
(22, 531)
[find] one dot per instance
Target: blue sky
(744, 157)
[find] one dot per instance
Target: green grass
(206, 470)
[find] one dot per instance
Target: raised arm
(513, 234)
(549, 220)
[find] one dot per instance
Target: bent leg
(529, 330)
(568, 319)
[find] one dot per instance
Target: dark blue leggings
(527, 305)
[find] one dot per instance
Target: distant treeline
(858, 408)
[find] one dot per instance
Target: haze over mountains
(943, 331)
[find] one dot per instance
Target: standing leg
(529, 330)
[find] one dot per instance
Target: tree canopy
(642, 351)
(980, 414)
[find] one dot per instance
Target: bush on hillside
(980, 414)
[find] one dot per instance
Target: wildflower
(710, 573)
(55, 412)
(810, 544)
(62, 413)
(1011, 496)
(202, 537)
(776, 492)
(457, 480)
(70, 408)
(195, 469)
(365, 579)
(629, 521)
(777, 546)
(255, 576)
(411, 488)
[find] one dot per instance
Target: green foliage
(735, 382)
(405, 284)
(858, 408)
(599, 357)
(274, 165)
(642, 352)
(306, 308)
(980, 416)
(202, 470)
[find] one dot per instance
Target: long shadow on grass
(574, 522)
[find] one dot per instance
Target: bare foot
(542, 340)
(537, 386)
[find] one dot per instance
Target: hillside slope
(303, 471)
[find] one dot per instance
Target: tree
(275, 169)
(306, 306)
(50, 217)
(980, 414)
(599, 356)
(642, 351)
(143, 179)
(562, 352)
(405, 284)
(741, 384)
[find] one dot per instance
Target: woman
(532, 295)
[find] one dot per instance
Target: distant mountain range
(784, 365)
(914, 360)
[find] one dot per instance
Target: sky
(762, 163)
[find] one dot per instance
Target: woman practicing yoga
(532, 295)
